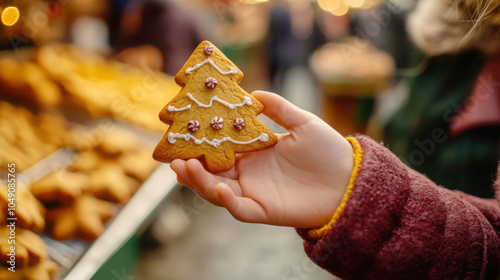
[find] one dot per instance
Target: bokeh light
(329, 5)
(10, 16)
(341, 9)
(355, 3)
(336, 7)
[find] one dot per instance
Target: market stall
(77, 141)
(78, 125)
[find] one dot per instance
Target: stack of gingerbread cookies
(62, 77)
(82, 197)
(23, 253)
(73, 201)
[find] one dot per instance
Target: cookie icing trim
(208, 60)
(246, 101)
(172, 138)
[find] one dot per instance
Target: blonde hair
(452, 26)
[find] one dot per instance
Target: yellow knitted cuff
(358, 158)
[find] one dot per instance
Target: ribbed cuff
(358, 159)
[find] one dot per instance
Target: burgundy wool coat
(397, 224)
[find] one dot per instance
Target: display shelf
(126, 224)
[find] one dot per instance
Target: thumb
(282, 111)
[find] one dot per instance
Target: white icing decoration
(208, 60)
(246, 101)
(173, 109)
(172, 138)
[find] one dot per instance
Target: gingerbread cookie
(138, 164)
(87, 161)
(106, 88)
(53, 128)
(117, 143)
(29, 247)
(84, 218)
(110, 183)
(24, 146)
(45, 270)
(29, 211)
(27, 82)
(60, 186)
(211, 118)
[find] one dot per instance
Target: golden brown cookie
(60, 186)
(52, 128)
(138, 164)
(117, 143)
(110, 183)
(212, 118)
(29, 248)
(104, 87)
(27, 82)
(32, 143)
(45, 270)
(86, 161)
(84, 218)
(3, 217)
(29, 212)
(105, 149)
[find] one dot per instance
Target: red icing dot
(217, 123)
(239, 123)
(211, 83)
(193, 126)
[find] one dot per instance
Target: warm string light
(10, 16)
(341, 7)
(336, 7)
(329, 5)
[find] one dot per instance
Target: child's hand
(300, 182)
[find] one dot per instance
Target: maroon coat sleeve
(397, 224)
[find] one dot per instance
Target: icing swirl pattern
(246, 101)
(172, 138)
(232, 70)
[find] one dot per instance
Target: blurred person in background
(164, 25)
(450, 93)
(449, 126)
(116, 11)
(392, 37)
(293, 35)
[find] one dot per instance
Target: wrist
(347, 178)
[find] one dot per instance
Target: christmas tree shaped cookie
(211, 118)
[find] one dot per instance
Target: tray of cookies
(85, 83)
(77, 178)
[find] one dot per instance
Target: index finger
(282, 111)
